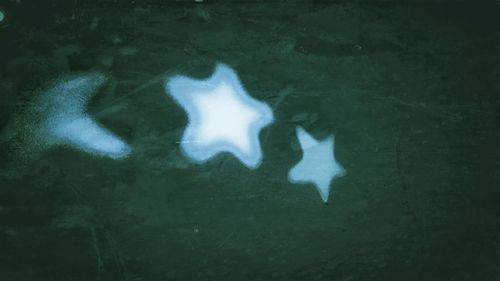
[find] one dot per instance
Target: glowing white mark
(2, 16)
(66, 123)
(222, 117)
(57, 117)
(85, 134)
(318, 164)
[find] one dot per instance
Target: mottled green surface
(411, 92)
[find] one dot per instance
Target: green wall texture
(410, 90)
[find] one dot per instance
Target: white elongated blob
(318, 164)
(85, 134)
(222, 117)
(58, 117)
(67, 123)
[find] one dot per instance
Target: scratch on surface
(116, 254)
(155, 79)
(223, 243)
(280, 97)
(100, 263)
(137, 89)
(422, 106)
(109, 238)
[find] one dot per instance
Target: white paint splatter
(57, 117)
(318, 164)
(222, 117)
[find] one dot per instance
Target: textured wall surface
(410, 90)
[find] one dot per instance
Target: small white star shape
(318, 164)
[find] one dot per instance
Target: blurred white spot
(128, 51)
(94, 23)
(64, 120)
(58, 117)
(222, 117)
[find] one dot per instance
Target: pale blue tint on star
(318, 165)
(64, 121)
(222, 117)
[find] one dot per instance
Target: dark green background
(410, 90)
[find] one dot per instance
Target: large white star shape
(222, 117)
(318, 164)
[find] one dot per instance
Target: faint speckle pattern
(58, 117)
